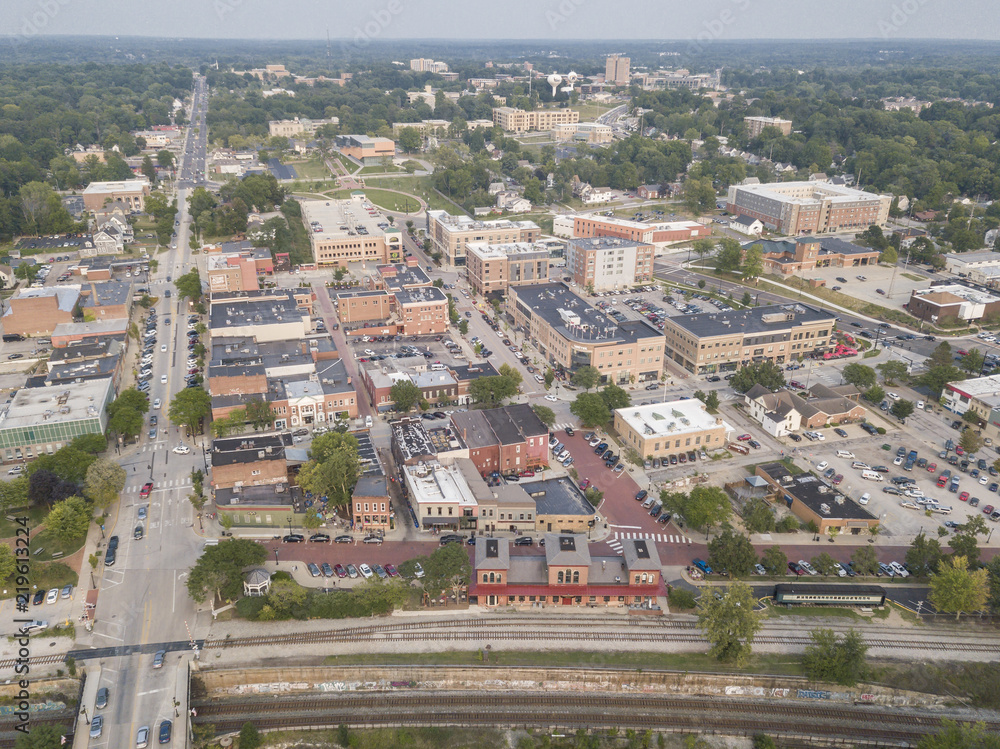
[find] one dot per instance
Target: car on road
(373, 540)
(551, 398)
(391, 571)
(796, 568)
(837, 479)
(343, 540)
(524, 541)
(157, 403)
(822, 466)
(313, 569)
(840, 431)
(165, 728)
(339, 570)
(142, 738)
(366, 571)
(807, 567)
(96, 726)
(652, 386)
(181, 450)
(702, 565)
(158, 658)
(293, 538)
(745, 437)
(102, 698)
(147, 488)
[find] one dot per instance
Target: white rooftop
(341, 218)
(670, 418)
(488, 251)
(66, 296)
(57, 404)
(433, 483)
(452, 223)
(120, 186)
(785, 192)
(976, 296)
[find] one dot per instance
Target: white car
(369, 352)
(163, 379)
(822, 466)
(53, 596)
(899, 569)
(807, 567)
(841, 572)
(551, 398)
(15, 471)
(898, 460)
(163, 347)
(894, 396)
(181, 450)
(365, 570)
(984, 479)
(157, 403)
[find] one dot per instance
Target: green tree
(489, 392)
(409, 139)
(26, 272)
(405, 395)
(965, 542)
(127, 412)
(774, 561)
(971, 441)
(249, 736)
(901, 408)
(615, 397)
(586, 377)
(864, 560)
(972, 362)
(941, 356)
(730, 623)
(936, 377)
(219, 570)
(953, 735)
(463, 327)
(148, 169)
(757, 516)
(765, 373)
(105, 482)
(993, 581)
(591, 409)
(712, 402)
(189, 285)
(165, 158)
(7, 562)
(259, 413)
(703, 507)
(753, 263)
(189, 407)
(955, 589)
(699, 195)
(448, 567)
(333, 468)
(546, 414)
(747, 300)
(875, 394)
(730, 255)
(703, 246)
(13, 494)
(824, 564)
(732, 552)
(68, 520)
(859, 375)
(924, 555)
(550, 377)
(834, 659)
(893, 371)
(40, 737)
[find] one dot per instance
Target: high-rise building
(808, 207)
(601, 263)
(450, 235)
(756, 124)
(616, 70)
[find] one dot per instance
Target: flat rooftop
(575, 319)
(627, 223)
(452, 223)
(671, 418)
(411, 439)
(559, 496)
(339, 219)
(964, 293)
(825, 500)
(399, 276)
(420, 295)
(254, 312)
(57, 404)
(433, 483)
(815, 191)
(754, 321)
(121, 186)
(977, 387)
(232, 450)
(65, 296)
(604, 243)
(109, 293)
(514, 250)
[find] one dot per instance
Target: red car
(959, 450)
(942, 480)
(339, 570)
(963, 497)
(745, 437)
(527, 474)
(932, 467)
(838, 478)
(584, 484)
(391, 571)
(988, 510)
(146, 489)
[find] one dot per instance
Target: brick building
(131, 192)
(602, 263)
(37, 312)
(812, 207)
(494, 267)
(451, 235)
(514, 120)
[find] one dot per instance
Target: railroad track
(62, 719)
(571, 710)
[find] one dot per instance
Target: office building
(495, 267)
(351, 230)
(660, 234)
(583, 132)
(952, 303)
(400, 300)
(785, 257)
(42, 420)
(369, 151)
(273, 315)
(724, 341)
(240, 270)
(671, 429)
(755, 125)
(297, 126)
(513, 120)
(808, 207)
(450, 235)
(616, 70)
(602, 263)
(38, 311)
(569, 334)
(131, 192)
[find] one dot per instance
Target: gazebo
(257, 582)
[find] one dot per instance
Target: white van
(940, 509)
(648, 503)
(865, 499)
(845, 454)
(437, 367)
(871, 476)
(368, 421)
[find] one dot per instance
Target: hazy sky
(507, 19)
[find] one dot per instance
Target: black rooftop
(771, 319)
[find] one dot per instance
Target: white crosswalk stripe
(561, 427)
(615, 543)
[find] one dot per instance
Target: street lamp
(275, 557)
(289, 519)
(86, 717)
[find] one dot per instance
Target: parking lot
(875, 277)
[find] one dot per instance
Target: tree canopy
(590, 409)
(189, 408)
(765, 373)
(219, 570)
(730, 622)
(956, 590)
(333, 467)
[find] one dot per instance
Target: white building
(440, 494)
(751, 227)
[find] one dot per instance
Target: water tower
(554, 80)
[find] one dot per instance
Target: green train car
(825, 594)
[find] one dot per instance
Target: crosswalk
(154, 446)
(562, 427)
(166, 484)
(664, 538)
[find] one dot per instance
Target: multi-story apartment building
(369, 151)
(238, 271)
(132, 192)
(298, 126)
(569, 334)
(349, 231)
(616, 70)
(426, 65)
(585, 132)
(450, 235)
(808, 207)
(514, 120)
(603, 263)
(494, 267)
(720, 341)
(403, 303)
(755, 125)
(659, 234)
(510, 439)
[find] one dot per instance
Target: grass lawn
(349, 165)
(780, 611)
(787, 462)
(913, 277)
(380, 169)
(760, 663)
(51, 545)
(422, 186)
(301, 251)
(35, 514)
(411, 738)
(382, 198)
(311, 169)
(591, 111)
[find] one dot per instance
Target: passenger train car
(825, 594)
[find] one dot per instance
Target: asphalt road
(143, 599)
